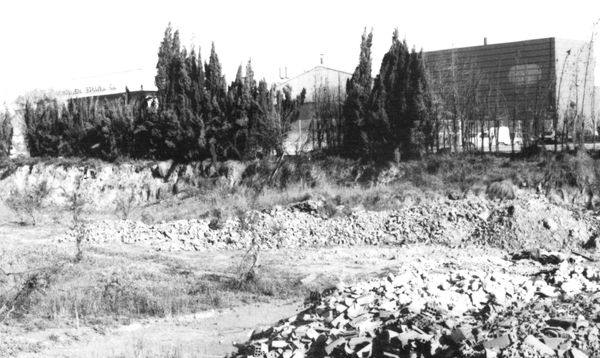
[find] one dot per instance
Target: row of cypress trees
(389, 116)
(204, 114)
(196, 115)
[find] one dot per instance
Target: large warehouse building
(527, 86)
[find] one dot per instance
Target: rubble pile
(517, 224)
(300, 225)
(421, 313)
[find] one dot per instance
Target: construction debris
(418, 313)
(306, 224)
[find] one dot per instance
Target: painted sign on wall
(86, 90)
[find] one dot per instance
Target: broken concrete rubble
(453, 223)
(395, 317)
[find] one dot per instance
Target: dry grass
(346, 185)
(109, 286)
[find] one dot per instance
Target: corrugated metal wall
(517, 82)
(505, 81)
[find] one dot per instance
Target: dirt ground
(211, 333)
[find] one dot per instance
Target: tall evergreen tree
(358, 90)
(418, 107)
(237, 117)
(216, 123)
(399, 104)
(162, 78)
(215, 85)
(198, 97)
(250, 94)
(6, 133)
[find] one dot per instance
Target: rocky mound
(422, 313)
(527, 222)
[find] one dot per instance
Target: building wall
(299, 139)
(517, 82)
(511, 79)
(109, 86)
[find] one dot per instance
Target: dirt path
(207, 334)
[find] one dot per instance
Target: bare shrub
(126, 203)
(20, 289)
(29, 201)
(76, 204)
(248, 266)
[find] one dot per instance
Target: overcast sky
(48, 42)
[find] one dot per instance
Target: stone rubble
(511, 226)
(461, 313)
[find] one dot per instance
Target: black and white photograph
(311, 179)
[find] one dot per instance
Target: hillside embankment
(474, 256)
(548, 203)
(105, 183)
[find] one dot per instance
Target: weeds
(565, 170)
(141, 350)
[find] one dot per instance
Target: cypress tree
(216, 124)
(181, 80)
(386, 103)
(396, 103)
(237, 117)
(250, 94)
(399, 103)
(162, 78)
(6, 133)
(419, 107)
(358, 89)
(197, 101)
(215, 84)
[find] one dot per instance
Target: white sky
(47, 42)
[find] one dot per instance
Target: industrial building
(527, 86)
(314, 82)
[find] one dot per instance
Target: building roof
(512, 44)
(316, 77)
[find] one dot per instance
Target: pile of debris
(456, 314)
(296, 226)
(523, 223)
